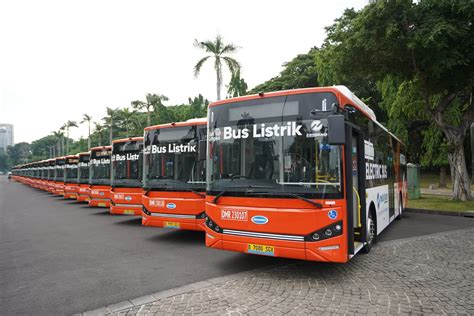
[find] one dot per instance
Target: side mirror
(202, 146)
(336, 130)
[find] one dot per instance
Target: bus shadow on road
(134, 221)
(181, 236)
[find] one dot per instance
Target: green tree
(217, 49)
(99, 130)
(19, 153)
(59, 136)
(127, 120)
(300, 72)
(87, 118)
(111, 121)
(237, 86)
(428, 45)
(69, 125)
(197, 107)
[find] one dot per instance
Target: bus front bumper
(176, 221)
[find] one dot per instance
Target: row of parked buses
(307, 173)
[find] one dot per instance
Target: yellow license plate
(171, 225)
(261, 249)
(102, 205)
(128, 212)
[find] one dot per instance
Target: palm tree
(58, 136)
(110, 121)
(100, 130)
(68, 125)
(153, 101)
(62, 129)
(217, 49)
(87, 118)
(127, 119)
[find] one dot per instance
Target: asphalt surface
(61, 257)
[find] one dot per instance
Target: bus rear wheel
(371, 232)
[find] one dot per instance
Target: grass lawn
(442, 203)
(433, 178)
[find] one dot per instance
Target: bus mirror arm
(336, 129)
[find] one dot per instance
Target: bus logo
(316, 126)
(332, 214)
(171, 206)
(259, 220)
(128, 198)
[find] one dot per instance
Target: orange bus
(50, 175)
(99, 176)
(174, 176)
(60, 163)
(126, 174)
(307, 174)
(83, 177)
(71, 185)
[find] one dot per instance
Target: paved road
(424, 275)
(60, 257)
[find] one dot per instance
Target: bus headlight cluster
(212, 225)
(330, 231)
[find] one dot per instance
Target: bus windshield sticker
(369, 150)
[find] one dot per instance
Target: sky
(61, 59)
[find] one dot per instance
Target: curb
(139, 301)
(438, 212)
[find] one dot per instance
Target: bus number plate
(234, 215)
(261, 249)
(128, 212)
(171, 225)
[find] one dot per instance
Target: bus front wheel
(371, 231)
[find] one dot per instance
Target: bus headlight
(329, 231)
(212, 225)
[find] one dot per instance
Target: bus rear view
(99, 176)
(174, 175)
(286, 175)
(126, 192)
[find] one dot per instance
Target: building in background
(6, 136)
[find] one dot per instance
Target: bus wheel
(400, 208)
(371, 231)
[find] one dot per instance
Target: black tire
(400, 208)
(371, 231)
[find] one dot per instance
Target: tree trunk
(148, 117)
(62, 146)
(459, 175)
(442, 177)
(219, 83)
(89, 138)
(67, 142)
(111, 131)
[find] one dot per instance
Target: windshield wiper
(296, 196)
(216, 198)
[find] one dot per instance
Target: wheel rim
(371, 230)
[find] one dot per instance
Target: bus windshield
(274, 145)
(171, 158)
(59, 170)
(83, 169)
(71, 169)
(127, 164)
(99, 167)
